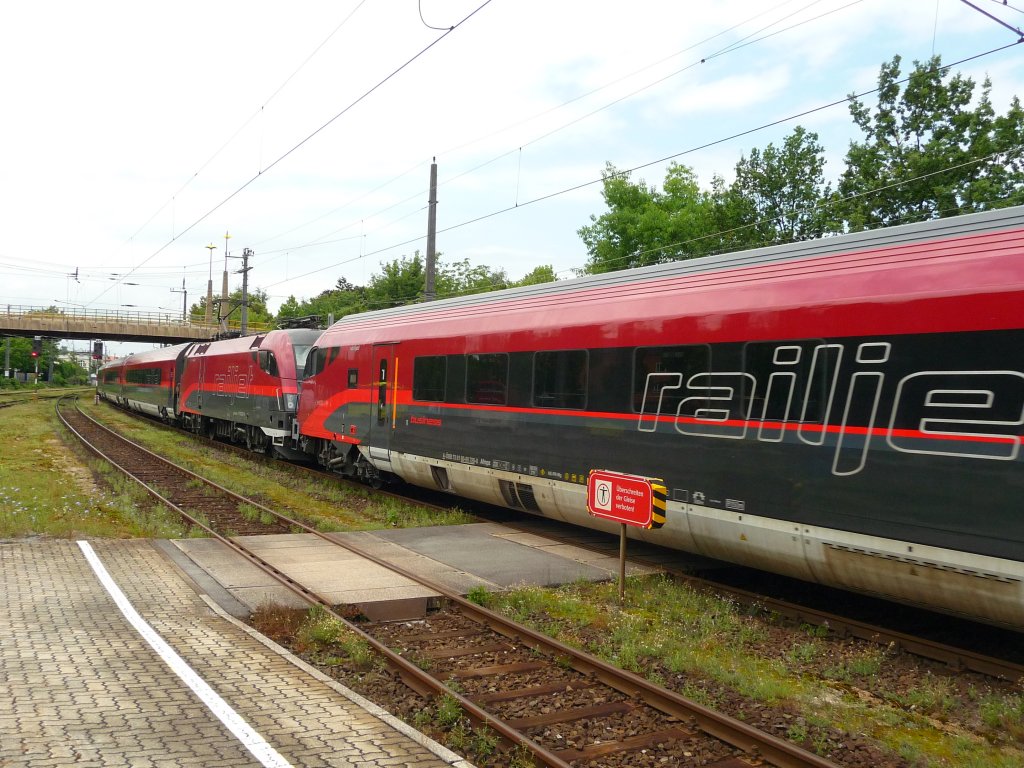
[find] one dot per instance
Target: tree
(257, 301)
(400, 282)
(927, 153)
(646, 226)
(343, 299)
(778, 191)
(460, 278)
(542, 274)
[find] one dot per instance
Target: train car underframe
(254, 438)
(345, 459)
(958, 583)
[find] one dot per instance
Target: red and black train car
(847, 411)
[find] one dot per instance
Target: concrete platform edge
(442, 752)
(200, 580)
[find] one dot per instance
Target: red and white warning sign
(627, 499)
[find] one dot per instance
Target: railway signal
(37, 346)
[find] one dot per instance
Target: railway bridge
(153, 327)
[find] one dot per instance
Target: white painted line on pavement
(250, 739)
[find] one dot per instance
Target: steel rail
(287, 465)
(417, 679)
(956, 657)
(730, 730)
(734, 732)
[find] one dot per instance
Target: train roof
(149, 357)
(771, 278)
(267, 339)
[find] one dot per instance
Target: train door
(382, 404)
(201, 383)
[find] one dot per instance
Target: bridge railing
(137, 317)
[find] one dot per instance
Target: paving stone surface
(79, 686)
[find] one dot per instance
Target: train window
(560, 379)
(301, 355)
(148, 376)
(315, 361)
(353, 378)
(428, 378)
(268, 362)
(660, 375)
(788, 381)
(487, 379)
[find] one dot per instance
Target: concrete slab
(340, 576)
(452, 578)
(476, 549)
(458, 557)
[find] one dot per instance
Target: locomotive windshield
(301, 352)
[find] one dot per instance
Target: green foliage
(400, 282)
(320, 628)
(460, 278)
(335, 303)
(646, 226)
(479, 595)
(449, 711)
(542, 274)
(778, 190)
(257, 301)
(65, 371)
(930, 149)
(485, 742)
(929, 139)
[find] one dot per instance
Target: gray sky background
(134, 134)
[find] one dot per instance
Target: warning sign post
(628, 500)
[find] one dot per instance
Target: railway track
(503, 668)
(19, 396)
(200, 502)
(957, 657)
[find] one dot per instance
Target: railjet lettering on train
(957, 413)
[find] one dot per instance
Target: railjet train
(846, 411)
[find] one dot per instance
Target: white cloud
(115, 109)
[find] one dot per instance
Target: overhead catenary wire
(996, 19)
(575, 271)
(755, 129)
(304, 141)
(748, 39)
(249, 120)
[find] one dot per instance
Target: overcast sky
(134, 134)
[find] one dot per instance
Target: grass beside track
(323, 502)
(47, 484)
(51, 486)
(709, 650)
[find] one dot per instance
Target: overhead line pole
(246, 253)
(430, 291)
